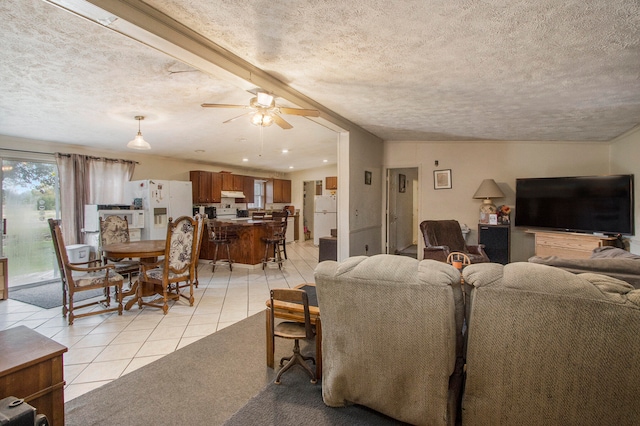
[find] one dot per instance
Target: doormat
(48, 295)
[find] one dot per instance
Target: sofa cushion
(611, 261)
(609, 252)
(546, 346)
(392, 336)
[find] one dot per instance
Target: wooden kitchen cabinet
(231, 182)
(278, 191)
(205, 186)
(201, 186)
(216, 187)
(332, 182)
(249, 189)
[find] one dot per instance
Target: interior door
(29, 199)
(392, 214)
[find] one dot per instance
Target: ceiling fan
(264, 111)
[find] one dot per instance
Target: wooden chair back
(292, 295)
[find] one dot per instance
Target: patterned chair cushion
(83, 279)
(114, 230)
(181, 246)
(157, 274)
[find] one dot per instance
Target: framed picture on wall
(367, 178)
(442, 179)
(402, 183)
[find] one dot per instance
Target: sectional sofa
(521, 344)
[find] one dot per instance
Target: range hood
(232, 194)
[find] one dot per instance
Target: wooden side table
(31, 368)
(4, 279)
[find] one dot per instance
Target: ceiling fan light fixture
(262, 119)
(138, 142)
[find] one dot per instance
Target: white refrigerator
(161, 200)
(324, 217)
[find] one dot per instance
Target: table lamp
(488, 189)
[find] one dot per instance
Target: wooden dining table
(147, 251)
(295, 312)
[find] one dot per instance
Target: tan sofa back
(392, 336)
(546, 347)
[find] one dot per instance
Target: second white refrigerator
(324, 217)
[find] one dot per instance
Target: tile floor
(105, 347)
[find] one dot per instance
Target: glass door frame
(7, 155)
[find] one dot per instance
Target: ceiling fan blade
(240, 116)
(281, 122)
(223, 106)
(299, 111)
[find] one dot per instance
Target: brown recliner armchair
(442, 237)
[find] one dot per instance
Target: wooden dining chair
(177, 265)
(115, 229)
(77, 278)
(199, 237)
(292, 330)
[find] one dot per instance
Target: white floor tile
(105, 347)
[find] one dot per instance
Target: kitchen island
(247, 250)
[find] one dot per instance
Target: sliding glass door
(29, 198)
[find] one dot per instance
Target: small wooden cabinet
(31, 368)
(278, 191)
(568, 245)
(332, 182)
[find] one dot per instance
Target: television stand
(568, 245)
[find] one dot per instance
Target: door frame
(417, 203)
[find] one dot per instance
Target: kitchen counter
(248, 249)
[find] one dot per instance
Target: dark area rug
(49, 295)
(208, 381)
(296, 402)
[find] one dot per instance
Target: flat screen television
(594, 204)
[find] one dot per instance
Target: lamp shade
(489, 189)
(138, 143)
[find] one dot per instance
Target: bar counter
(247, 249)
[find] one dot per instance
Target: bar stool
(221, 234)
(273, 239)
(282, 216)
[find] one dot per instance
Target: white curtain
(88, 180)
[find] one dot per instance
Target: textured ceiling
(403, 70)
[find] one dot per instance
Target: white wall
(625, 159)
(471, 162)
(365, 153)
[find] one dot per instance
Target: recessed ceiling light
(199, 151)
(284, 151)
(325, 161)
(245, 159)
(291, 167)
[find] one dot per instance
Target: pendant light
(138, 142)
